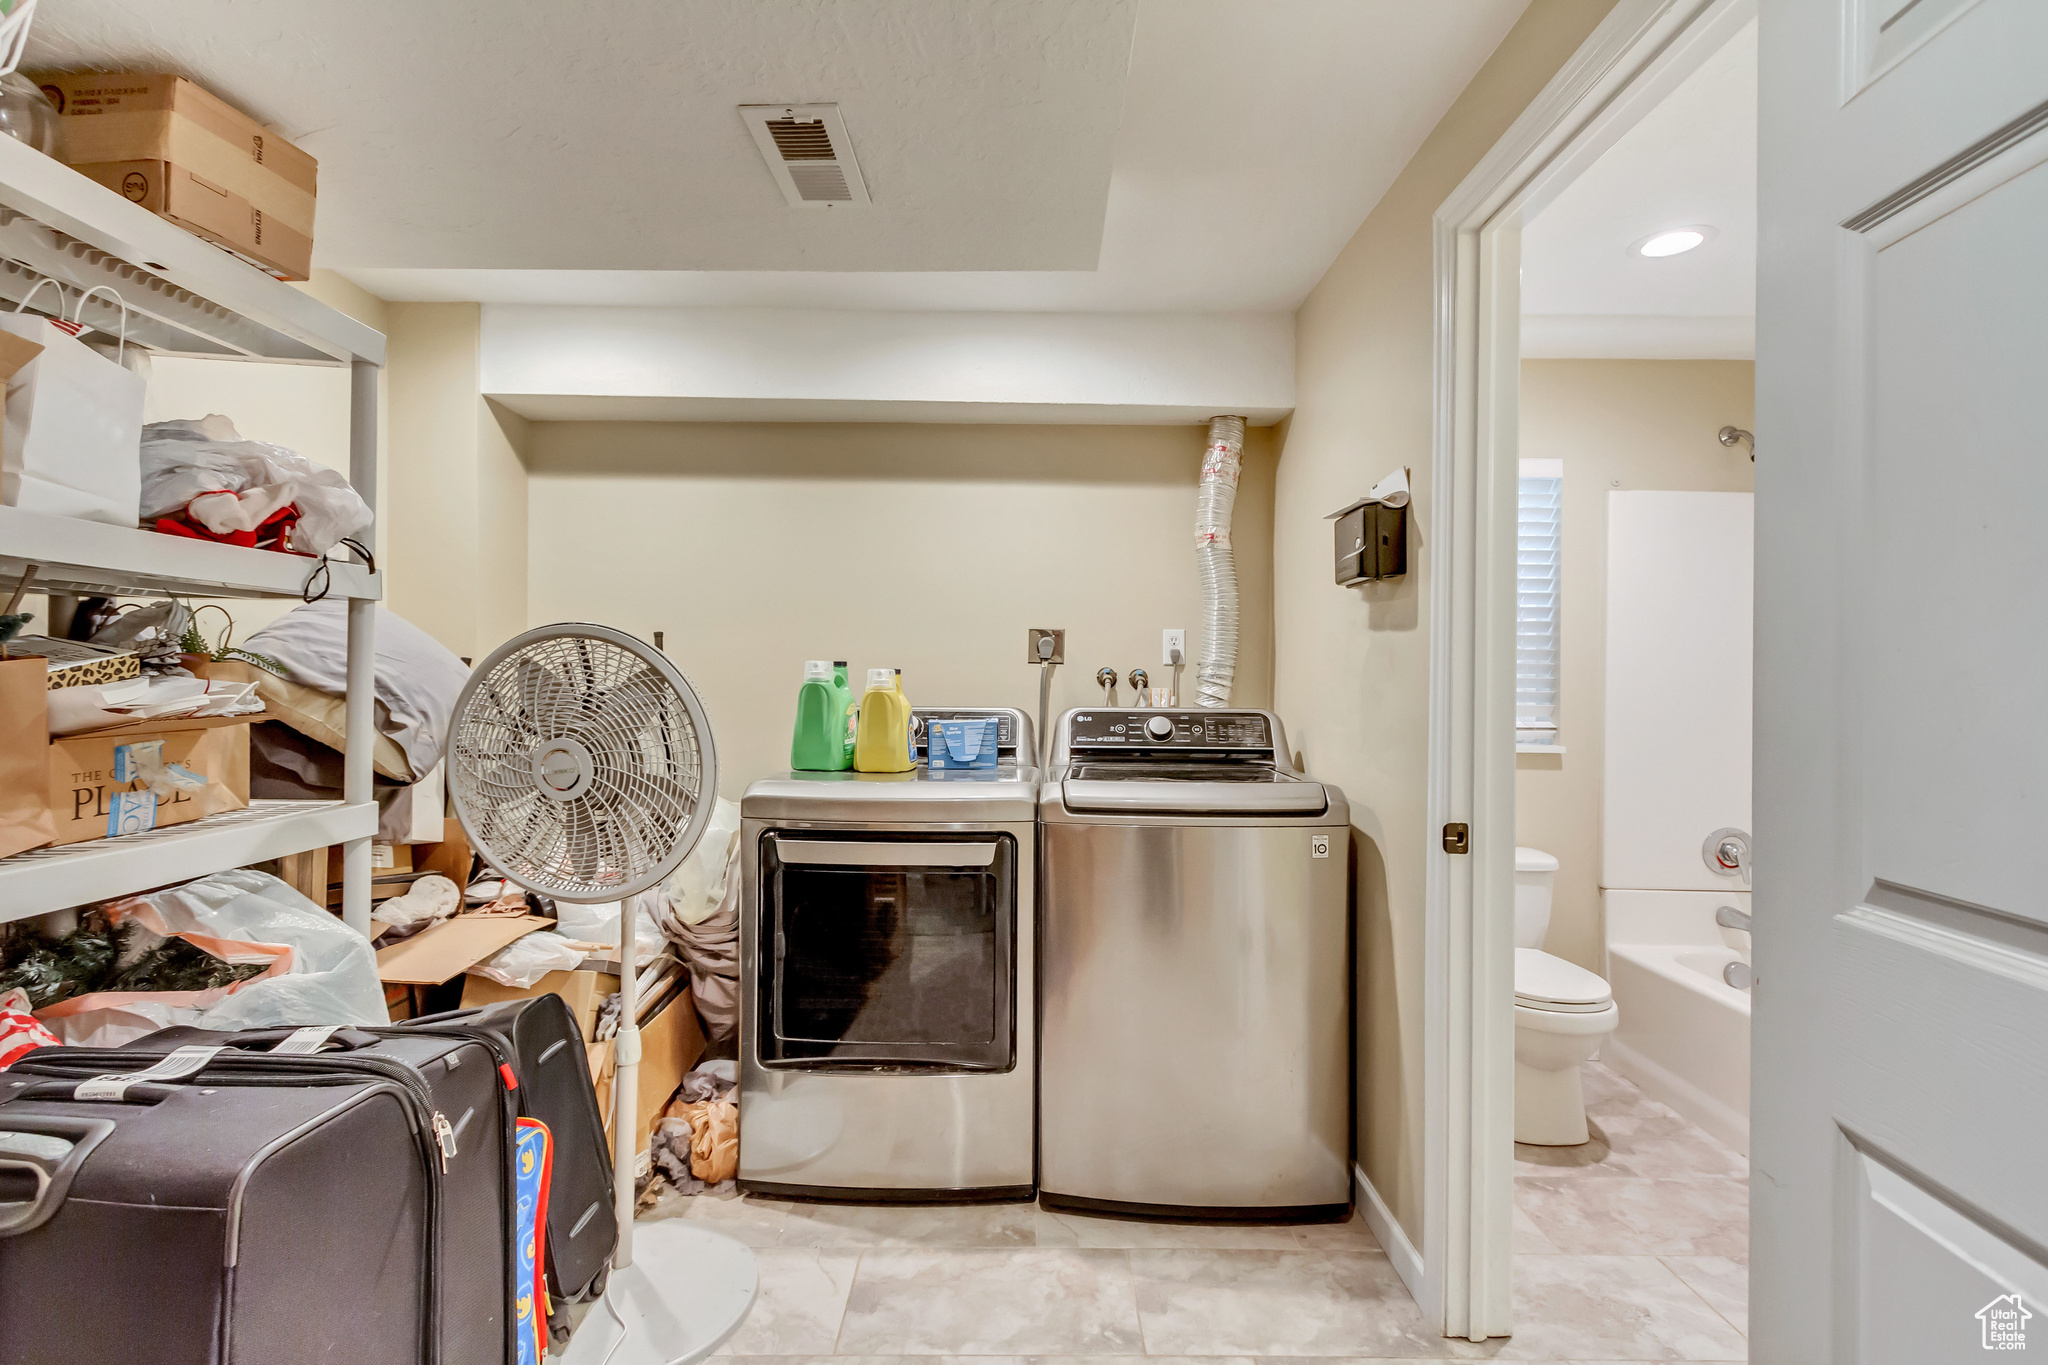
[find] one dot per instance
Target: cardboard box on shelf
(208, 210)
(385, 859)
(191, 158)
(451, 947)
(94, 793)
(26, 820)
(670, 1044)
(582, 992)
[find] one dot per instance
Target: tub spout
(1740, 975)
(1728, 917)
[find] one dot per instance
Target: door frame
(1637, 55)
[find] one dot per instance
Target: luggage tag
(185, 1061)
(301, 1042)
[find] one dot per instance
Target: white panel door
(1680, 585)
(1900, 1107)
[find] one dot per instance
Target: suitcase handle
(41, 1153)
(261, 1040)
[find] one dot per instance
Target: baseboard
(1407, 1260)
(1667, 1087)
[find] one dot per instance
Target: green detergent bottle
(848, 705)
(819, 745)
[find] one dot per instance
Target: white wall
(1639, 424)
(1352, 674)
(457, 498)
(754, 547)
(768, 364)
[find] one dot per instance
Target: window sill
(1539, 748)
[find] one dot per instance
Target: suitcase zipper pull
(444, 1133)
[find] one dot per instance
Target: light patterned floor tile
(1723, 1283)
(1086, 1230)
(895, 1225)
(1281, 1303)
(1624, 1216)
(747, 1218)
(1619, 1308)
(801, 1303)
(1529, 1239)
(984, 1301)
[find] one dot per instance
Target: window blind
(1539, 520)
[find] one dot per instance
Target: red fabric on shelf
(273, 534)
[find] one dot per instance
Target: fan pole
(626, 1081)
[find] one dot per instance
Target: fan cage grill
(644, 784)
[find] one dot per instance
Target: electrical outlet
(1171, 640)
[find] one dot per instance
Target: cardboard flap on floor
(451, 947)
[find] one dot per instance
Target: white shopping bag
(71, 442)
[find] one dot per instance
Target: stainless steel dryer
(1195, 1025)
(886, 968)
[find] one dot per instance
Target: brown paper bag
(25, 818)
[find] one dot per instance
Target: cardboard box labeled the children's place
(95, 791)
(188, 156)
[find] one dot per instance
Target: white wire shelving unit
(186, 297)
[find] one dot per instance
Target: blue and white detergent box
(961, 745)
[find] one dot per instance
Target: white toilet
(1562, 1014)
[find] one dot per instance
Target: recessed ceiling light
(1672, 243)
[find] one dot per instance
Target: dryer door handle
(878, 853)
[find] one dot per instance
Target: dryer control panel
(1105, 730)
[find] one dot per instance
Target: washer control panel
(1238, 731)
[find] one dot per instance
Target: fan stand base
(686, 1292)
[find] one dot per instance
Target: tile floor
(1632, 1248)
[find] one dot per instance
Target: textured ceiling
(556, 135)
(1025, 155)
(1690, 161)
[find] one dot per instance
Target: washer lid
(1545, 981)
(1278, 794)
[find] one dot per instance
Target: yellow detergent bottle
(882, 744)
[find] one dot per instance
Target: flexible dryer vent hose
(1221, 464)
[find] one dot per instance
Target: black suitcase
(261, 1209)
(555, 1087)
(465, 1072)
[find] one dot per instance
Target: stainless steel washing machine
(1195, 1021)
(887, 974)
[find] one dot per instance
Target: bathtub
(1683, 1034)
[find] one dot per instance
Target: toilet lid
(1546, 982)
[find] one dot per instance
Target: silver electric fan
(582, 768)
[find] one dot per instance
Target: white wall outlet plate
(1171, 639)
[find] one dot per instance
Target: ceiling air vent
(808, 153)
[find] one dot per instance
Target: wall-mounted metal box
(1372, 542)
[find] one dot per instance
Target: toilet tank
(1535, 874)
